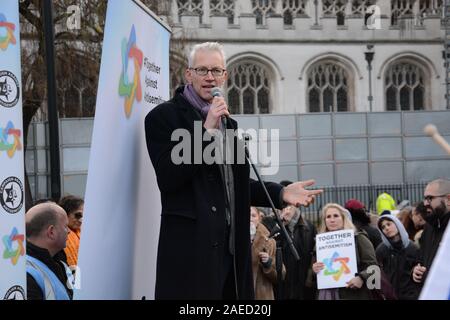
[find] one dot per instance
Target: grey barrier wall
(339, 149)
(335, 149)
(75, 143)
(37, 160)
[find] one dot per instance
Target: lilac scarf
(196, 101)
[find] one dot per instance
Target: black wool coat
(431, 238)
(193, 233)
(298, 273)
(304, 238)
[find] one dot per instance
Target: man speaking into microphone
(204, 249)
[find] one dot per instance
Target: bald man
(437, 202)
(46, 228)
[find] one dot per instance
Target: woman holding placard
(334, 218)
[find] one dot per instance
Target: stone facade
(297, 56)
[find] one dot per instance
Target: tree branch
(29, 16)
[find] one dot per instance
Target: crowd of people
(402, 245)
(214, 245)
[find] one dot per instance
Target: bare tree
(78, 47)
(77, 52)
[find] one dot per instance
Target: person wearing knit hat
(361, 220)
(397, 256)
(354, 204)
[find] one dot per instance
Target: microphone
(431, 130)
(217, 92)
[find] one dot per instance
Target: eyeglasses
(203, 71)
(430, 198)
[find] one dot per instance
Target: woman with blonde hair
(334, 218)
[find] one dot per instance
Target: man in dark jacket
(46, 228)
(204, 249)
(303, 233)
(437, 201)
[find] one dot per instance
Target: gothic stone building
(299, 56)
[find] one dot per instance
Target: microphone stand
(283, 230)
(279, 268)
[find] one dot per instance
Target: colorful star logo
(5, 40)
(9, 252)
(336, 273)
(7, 132)
(130, 90)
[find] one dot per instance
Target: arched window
(405, 84)
(335, 8)
(330, 87)
(190, 6)
(400, 8)
(262, 9)
(249, 88)
(429, 7)
(225, 7)
(359, 7)
(292, 9)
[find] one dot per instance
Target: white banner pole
(12, 201)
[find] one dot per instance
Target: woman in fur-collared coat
(263, 258)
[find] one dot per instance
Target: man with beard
(437, 202)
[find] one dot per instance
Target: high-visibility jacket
(385, 202)
(52, 288)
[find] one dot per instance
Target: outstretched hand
(295, 194)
